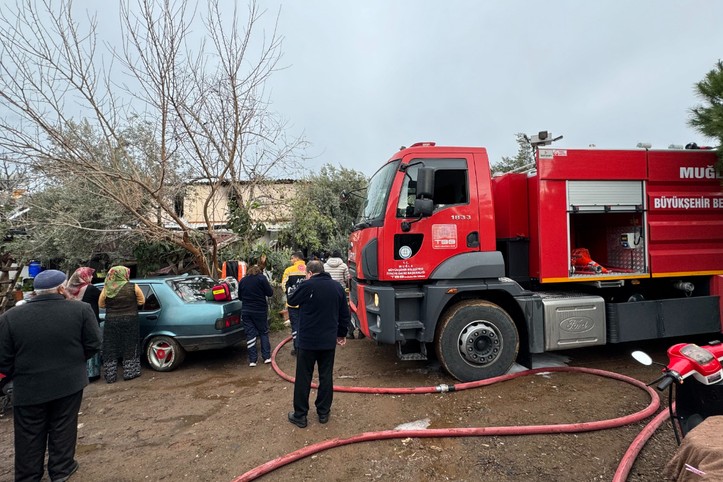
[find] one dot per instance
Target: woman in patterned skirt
(121, 299)
(78, 288)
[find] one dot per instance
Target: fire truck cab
(591, 247)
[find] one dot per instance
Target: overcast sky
(366, 77)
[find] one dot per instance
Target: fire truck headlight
(379, 322)
(376, 300)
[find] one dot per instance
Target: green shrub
(277, 304)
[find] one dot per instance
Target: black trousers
(305, 361)
(52, 424)
(294, 315)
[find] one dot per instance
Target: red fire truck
(591, 247)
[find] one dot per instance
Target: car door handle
(152, 317)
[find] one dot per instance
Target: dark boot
(300, 422)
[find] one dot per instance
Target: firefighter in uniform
(289, 281)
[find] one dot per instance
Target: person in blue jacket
(253, 289)
(323, 322)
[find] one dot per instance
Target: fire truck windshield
(377, 193)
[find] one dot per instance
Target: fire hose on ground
(620, 475)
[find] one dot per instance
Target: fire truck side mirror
(423, 207)
(425, 183)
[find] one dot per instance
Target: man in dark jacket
(44, 345)
(323, 321)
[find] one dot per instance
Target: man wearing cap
(323, 324)
(44, 345)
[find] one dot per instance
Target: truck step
(411, 350)
(409, 325)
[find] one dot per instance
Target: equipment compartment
(615, 243)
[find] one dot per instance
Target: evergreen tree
(321, 221)
(707, 118)
(524, 156)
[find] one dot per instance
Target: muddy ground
(215, 418)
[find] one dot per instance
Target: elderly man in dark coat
(323, 321)
(44, 346)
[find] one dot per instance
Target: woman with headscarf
(78, 288)
(121, 333)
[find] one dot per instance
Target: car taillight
(228, 321)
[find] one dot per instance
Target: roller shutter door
(597, 196)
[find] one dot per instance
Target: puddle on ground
(542, 360)
(416, 425)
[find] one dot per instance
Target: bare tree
(138, 121)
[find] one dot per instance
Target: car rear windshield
(192, 289)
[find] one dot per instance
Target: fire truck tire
(476, 340)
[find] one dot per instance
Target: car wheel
(164, 354)
(476, 340)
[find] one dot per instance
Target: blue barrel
(34, 269)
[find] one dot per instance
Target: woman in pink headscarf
(79, 288)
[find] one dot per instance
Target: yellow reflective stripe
(687, 273)
(592, 278)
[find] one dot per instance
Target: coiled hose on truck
(466, 431)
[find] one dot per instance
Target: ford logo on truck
(579, 324)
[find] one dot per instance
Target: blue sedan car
(176, 319)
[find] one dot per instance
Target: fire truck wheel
(476, 340)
